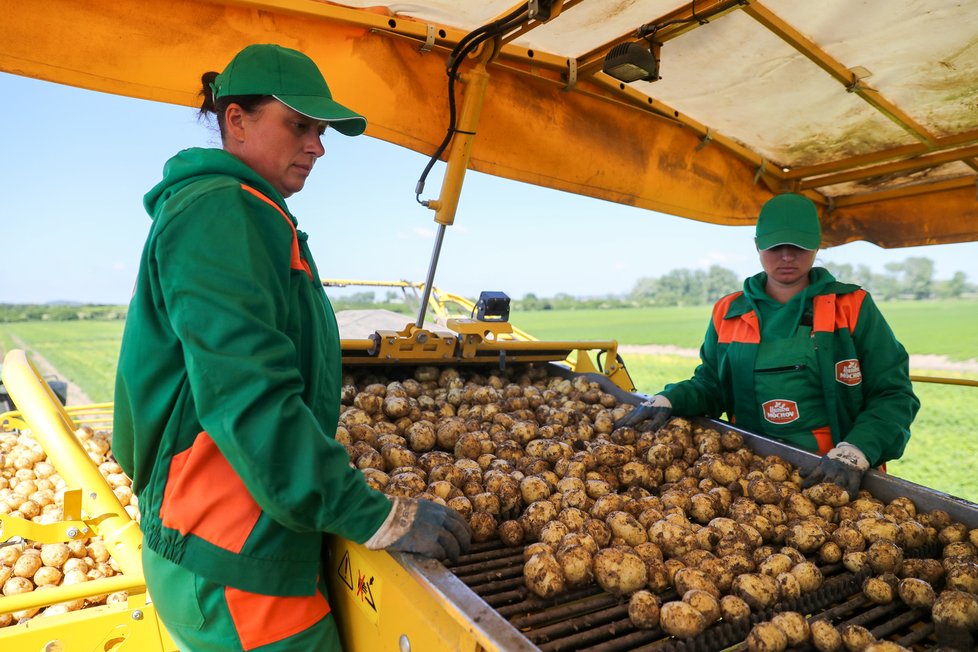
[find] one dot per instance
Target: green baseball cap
(290, 77)
(788, 219)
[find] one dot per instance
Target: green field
(85, 352)
(924, 327)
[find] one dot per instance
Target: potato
(643, 610)
(789, 587)
(884, 556)
(625, 526)
(809, 576)
(758, 591)
(963, 577)
(956, 609)
(916, 593)
(806, 536)
(483, 526)
(28, 564)
(825, 637)
(734, 609)
(775, 564)
(706, 603)
(794, 625)
(856, 562)
(875, 529)
(421, 436)
(576, 563)
(827, 493)
(885, 646)
(543, 575)
(681, 620)
(510, 533)
(878, 590)
(553, 532)
(856, 638)
(619, 572)
(688, 579)
(765, 636)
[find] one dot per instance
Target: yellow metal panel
(108, 628)
(376, 602)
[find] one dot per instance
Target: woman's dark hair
(249, 103)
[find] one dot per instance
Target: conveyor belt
(591, 620)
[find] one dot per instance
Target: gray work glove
(422, 527)
(656, 411)
(844, 465)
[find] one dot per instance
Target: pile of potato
(535, 460)
(30, 488)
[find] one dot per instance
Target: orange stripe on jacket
(297, 262)
(737, 329)
(206, 498)
(264, 619)
(837, 311)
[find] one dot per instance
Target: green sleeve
(882, 428)
(701, 395)
(225, 279)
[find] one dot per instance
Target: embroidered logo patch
(848, 372)
(780, 411)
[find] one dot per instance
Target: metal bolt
(93, 495)
(72, 532)
(84, 530)
(422, 338)
(403, 644)
(137, 615)
(390, 340)
(54, 646)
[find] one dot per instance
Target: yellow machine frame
(125, 626)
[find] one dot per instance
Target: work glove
(422, 527)
(844, 465)
(656, 411)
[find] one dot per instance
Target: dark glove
(844, 465)
(656, 411)
(422, 527)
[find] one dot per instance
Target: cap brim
(340, 118)
(798, 239)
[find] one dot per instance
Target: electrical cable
(462, 49)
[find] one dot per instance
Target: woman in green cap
(228, 384)
(801, 358)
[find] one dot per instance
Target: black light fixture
(629, 62)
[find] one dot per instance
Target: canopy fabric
(870, 108)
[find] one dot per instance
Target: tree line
(912, 279)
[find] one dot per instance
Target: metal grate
(591, 620)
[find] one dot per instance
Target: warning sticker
(848, 372)
(362, 582)
(780, 411)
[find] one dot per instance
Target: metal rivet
(54, 646)
(403, 644)
(137, 615)
(72, 532)
(93, 495)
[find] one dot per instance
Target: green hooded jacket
(869, 403)
(228, 387)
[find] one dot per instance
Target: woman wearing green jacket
(228, 384)
(799, 357)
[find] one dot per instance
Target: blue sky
(75, 165)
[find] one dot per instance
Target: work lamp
(628, 62)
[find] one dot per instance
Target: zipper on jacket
(793, 367)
